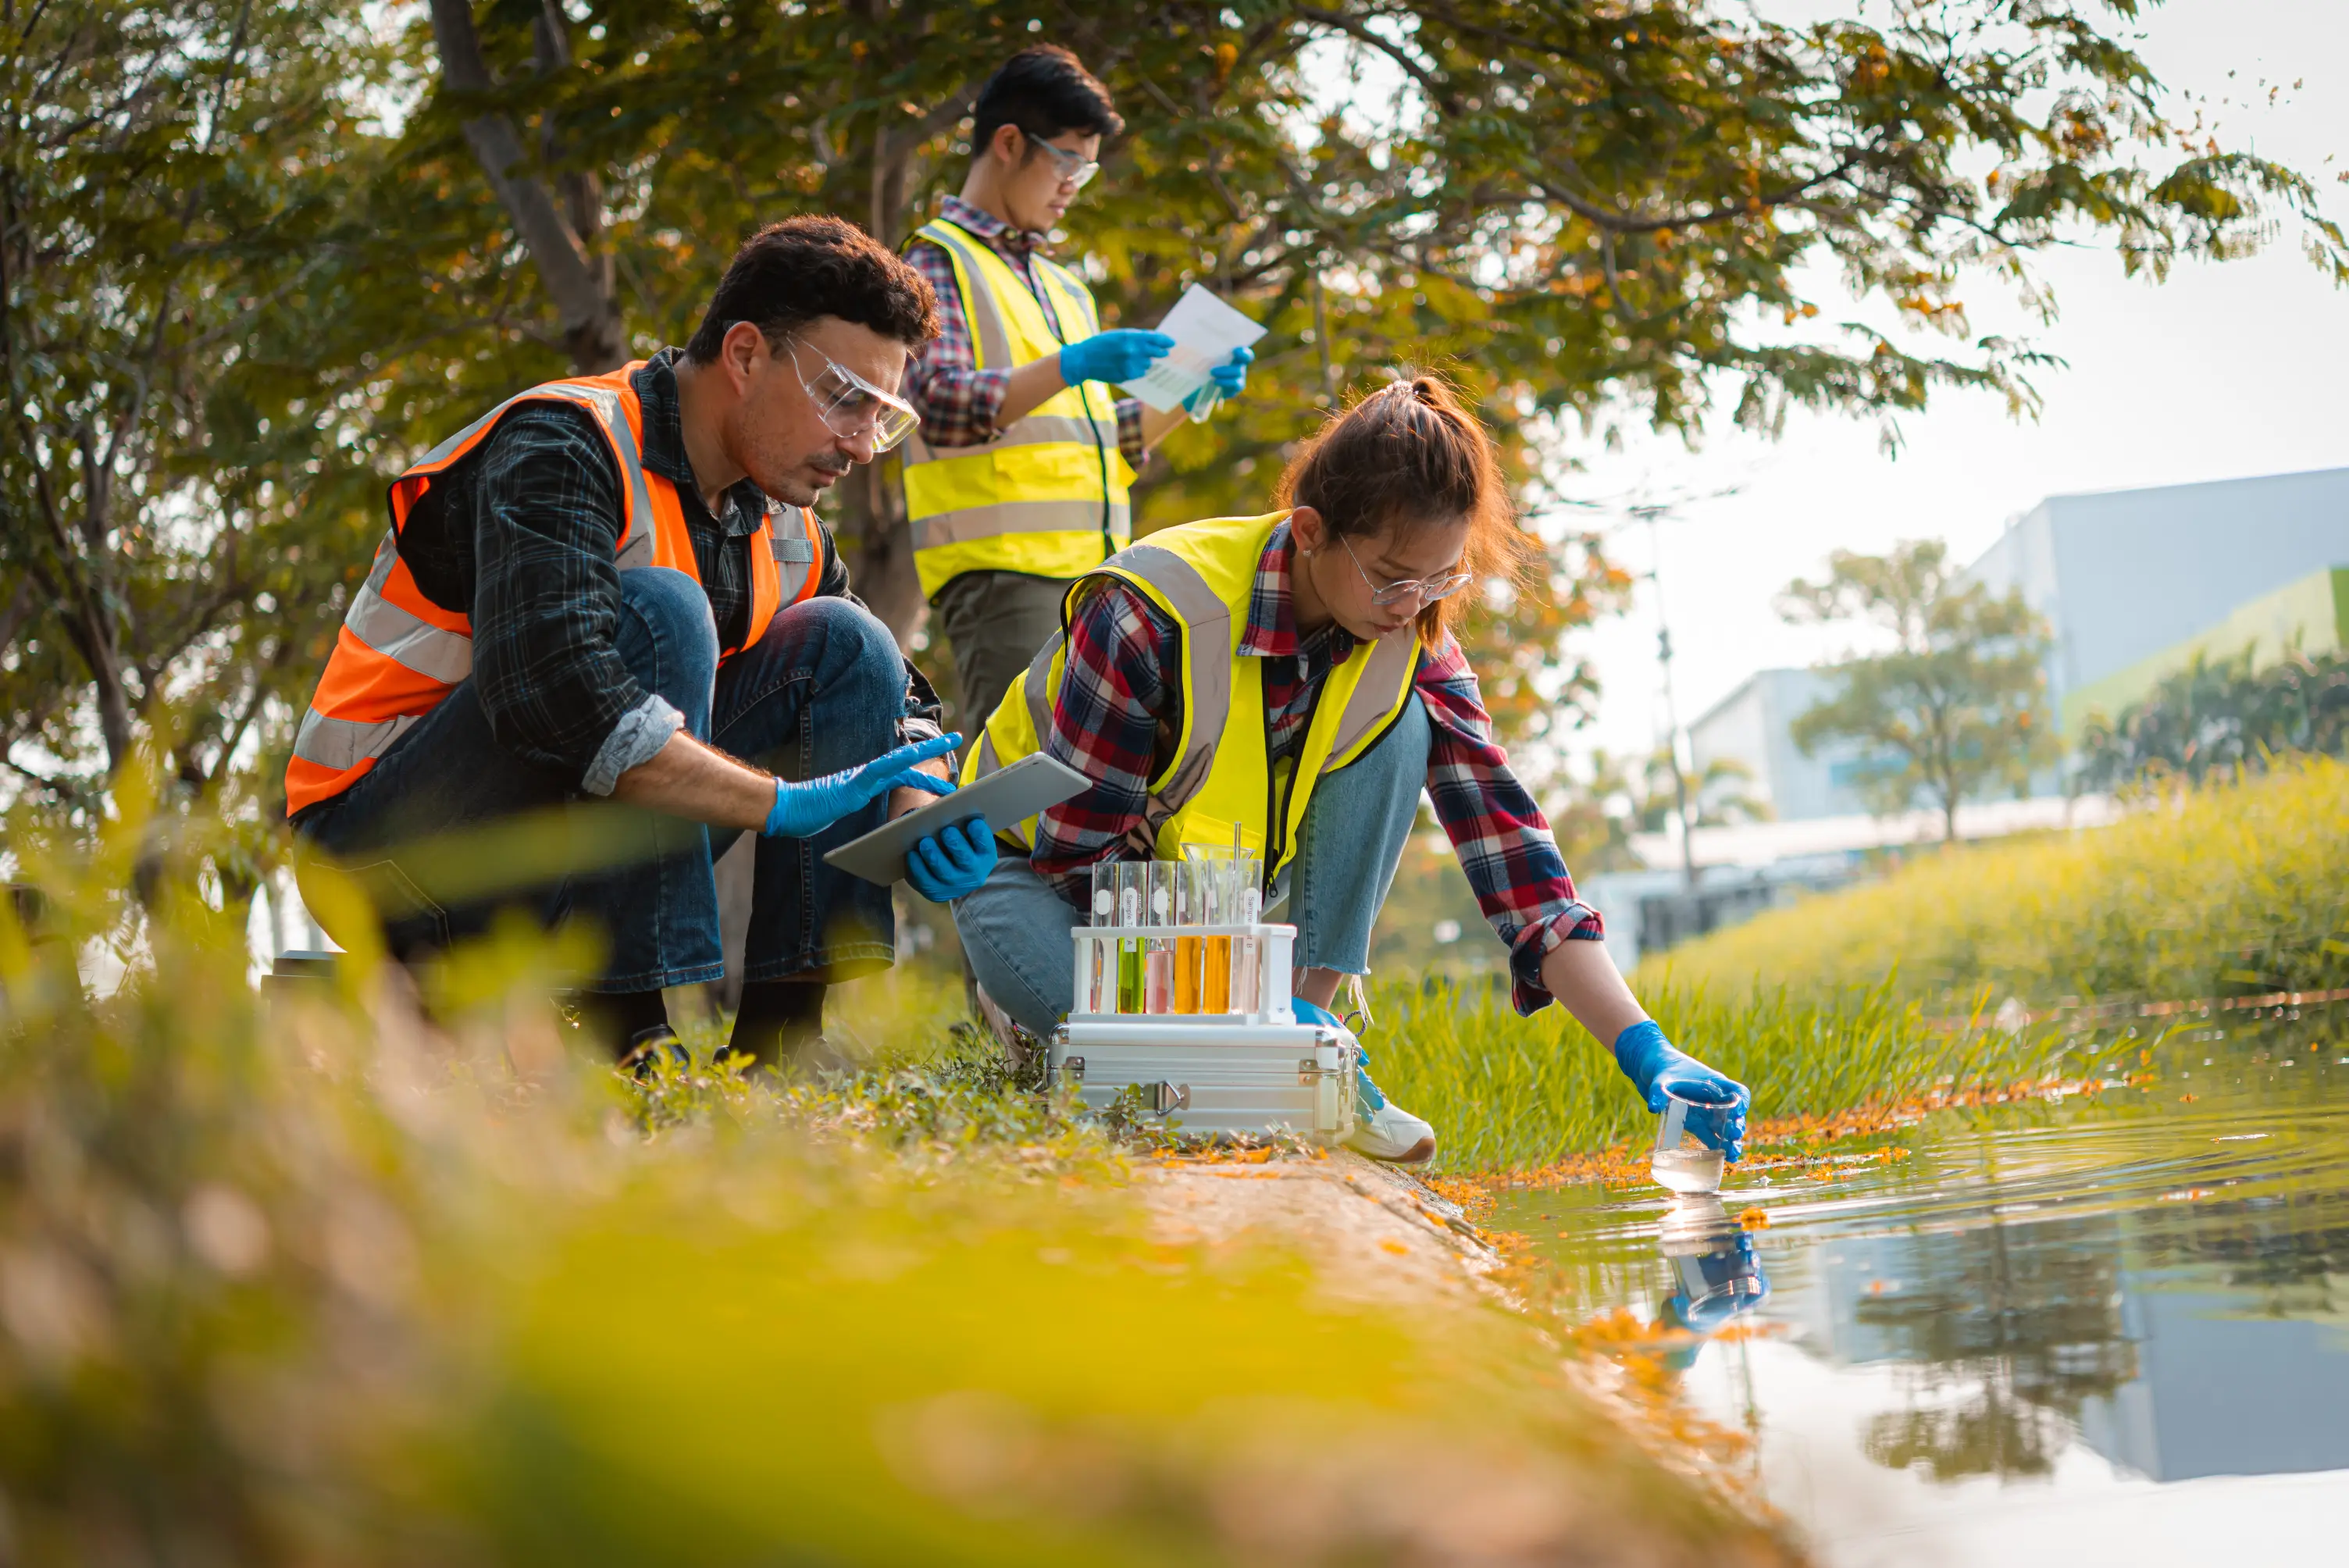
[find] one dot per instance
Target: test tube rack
(1253, 1069)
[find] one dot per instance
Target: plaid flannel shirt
(956, 400)
(1120, 706)
(527, 544)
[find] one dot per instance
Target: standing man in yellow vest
(1016, 484)
(612, 586)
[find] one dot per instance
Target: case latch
(1166, 1098)
(1074, 1068)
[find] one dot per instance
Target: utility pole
(1650, 515)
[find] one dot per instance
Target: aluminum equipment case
(1254, 1070)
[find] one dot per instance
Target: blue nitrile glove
(951, 861)
(1308, 1012)
(1124, 354)
(1226, 381)
(1654, 1065)
(803, 810)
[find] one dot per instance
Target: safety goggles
(1076, 170)
(851, 407)
(1428, 589)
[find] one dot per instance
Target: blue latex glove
(1120, 355)
(951, 861)
(803, 810)
(1654, 1065)
(1308, 1013)
(1226, 381)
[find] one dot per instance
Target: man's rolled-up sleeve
(546, 603)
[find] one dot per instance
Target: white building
(2121, 576)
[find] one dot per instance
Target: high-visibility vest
(1218, 777)
(398, 653)
(1048, 495)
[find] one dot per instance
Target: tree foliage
(2220, 715)
(1587, 213)
(173, 233)
(1958, 705)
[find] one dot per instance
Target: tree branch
(591, 329)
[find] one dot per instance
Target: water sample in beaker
(1681, 1162)
(1132, 881)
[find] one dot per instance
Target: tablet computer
(1010, 795)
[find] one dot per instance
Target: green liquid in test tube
(1129, 948)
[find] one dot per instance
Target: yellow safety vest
(1048, 495)
(1202, 575)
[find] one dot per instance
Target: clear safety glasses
(851, 407)
(1428, 589)
(1076, 170)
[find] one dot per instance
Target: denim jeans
(823, 690)
(1015, 928)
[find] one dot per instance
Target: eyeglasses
(1428, 589)
(851, 407)
(1076, 170)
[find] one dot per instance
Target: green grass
(2234, 888)
(1511, 1093)
(1880, 993)
(322, 1283)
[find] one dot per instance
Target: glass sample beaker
(1681, 1162)
(1190, 905)
(1158, 977)
(1133, 881)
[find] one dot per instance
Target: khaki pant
(995, 622)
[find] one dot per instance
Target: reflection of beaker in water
(1682, 1163)
(1716, 1275)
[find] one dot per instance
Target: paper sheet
(1206, 330)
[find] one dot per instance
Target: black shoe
(646, 1046)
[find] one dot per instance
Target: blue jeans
(1015, 928)
(823, 690)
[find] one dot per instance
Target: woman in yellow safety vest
(1293, 679)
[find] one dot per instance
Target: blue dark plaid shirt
(527, 545)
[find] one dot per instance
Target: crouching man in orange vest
(613, 586)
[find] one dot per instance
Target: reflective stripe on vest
(1203, 574)
(1048, 495)
(398, 655)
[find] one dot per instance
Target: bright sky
(2222, 371)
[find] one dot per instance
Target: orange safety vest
(398, 653)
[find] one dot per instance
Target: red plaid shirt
(1119, 707)
(956, 400)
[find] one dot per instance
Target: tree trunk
(879, 549)
(592, 333)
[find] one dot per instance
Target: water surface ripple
(2111, 1328)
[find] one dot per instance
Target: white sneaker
(1392, 1133)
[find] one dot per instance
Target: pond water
(2111, 1329)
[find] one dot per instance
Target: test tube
(1245, 950)
(1101, 968)
(1217, 881)
(1158, 978)
(1190, 907)
(1132, 880)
